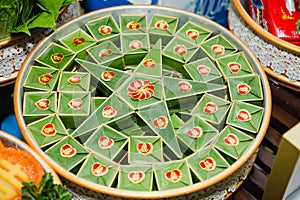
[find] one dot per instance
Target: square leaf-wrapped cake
(104, 28)
(213, 109)
(233, 142)
(56, 56)
(207, 163)
(41, 78)
(73, 108)
(145, 149)
(234, 65)
(218, 47)
(47, 130)
(107, 54)
(245, 116)
(74, 81)
(78, 40)
(39, 104)
(68, 152)
(133, 24)
(107, 141)
(136, 178)
(204, 70)
(162, 27)
(99, 170)
(193, 33)
(245, 88)
(172, 175)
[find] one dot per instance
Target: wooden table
(285, 114)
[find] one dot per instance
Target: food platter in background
(280, 59)
(21, 160)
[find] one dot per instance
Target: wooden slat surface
(285, 114)
(272, 139)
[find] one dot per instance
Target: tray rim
(164, 193)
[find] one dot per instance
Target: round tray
(11, 141)
(279, 58)
(218, 186)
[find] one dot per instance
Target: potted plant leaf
(23, 16)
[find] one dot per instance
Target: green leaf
(67, 2)
(24, 15)
(43, 20)
(46, 190)
(298, 26)
(52, 7)
(29, 191)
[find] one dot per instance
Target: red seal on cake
(75, 80)
(78, 40)
(105, 52)
(208, 164)
(192, 33)
(99, 169)
(135, 44)
(243, 88)
(136, 176)
(161, 122)
(184, 86)
(42, 104)
(107, 75)
(105, 30)
(57, 58)
(244, 115)
(75, 103)
(195, 132)
(180, 49)
(174, 175)
(234, 67)
(105, 142)
(109, 112)
(203, 70)
(133, 25)
(149, 63)
(210, 108)
(48, 130)
(162, 24)
(144, 148)
(231, 140)
(45, 78)
(67, 151)
(218, 49)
